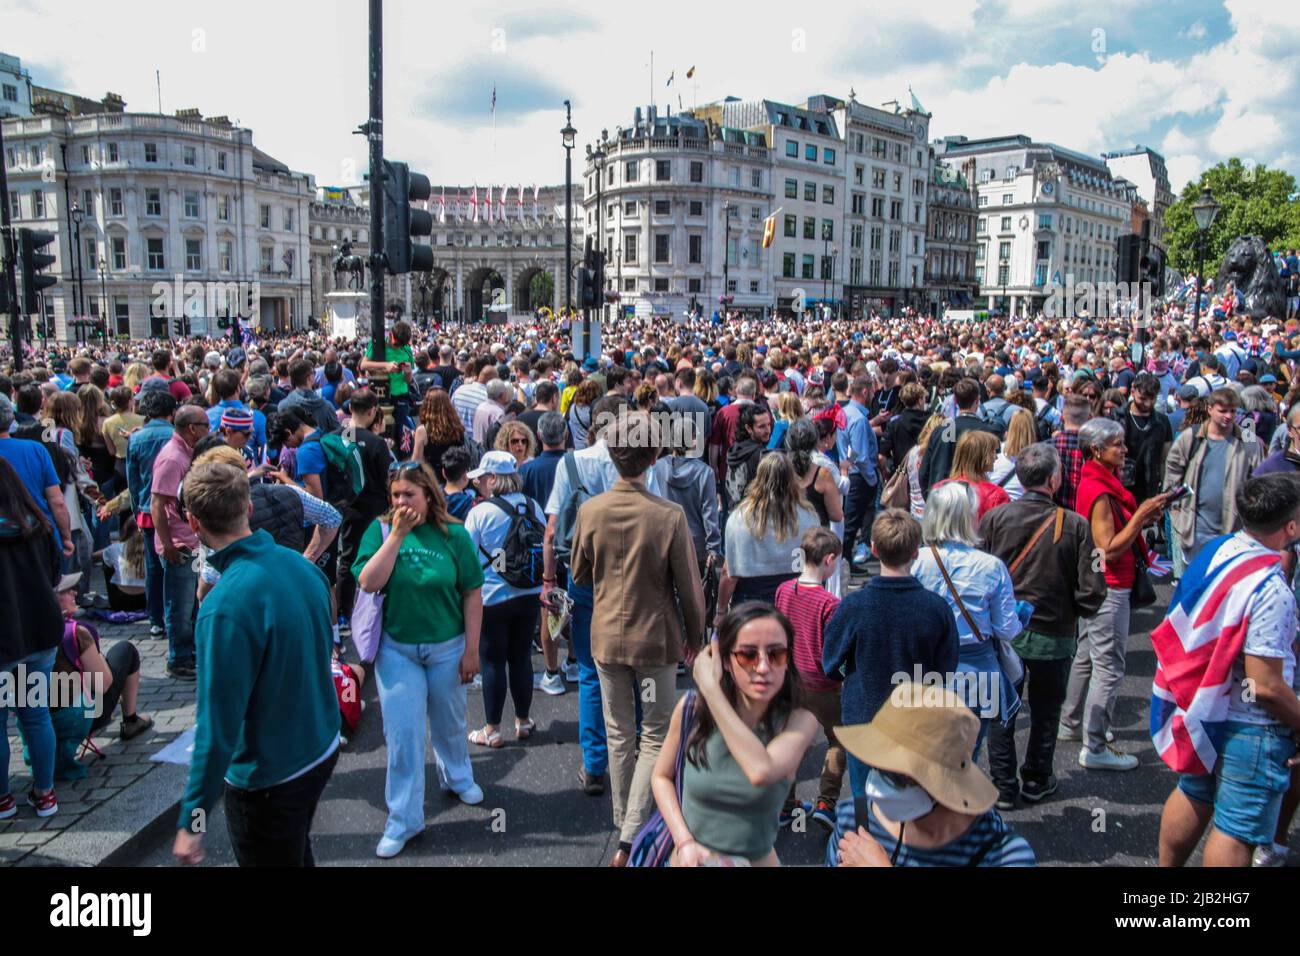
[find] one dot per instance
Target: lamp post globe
(1205, 210)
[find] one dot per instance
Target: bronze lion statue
(1249, 267)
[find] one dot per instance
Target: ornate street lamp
(568, 136)
(1204, 211)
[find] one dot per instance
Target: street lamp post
(726, 259)
(568, 135)
(103, 303)
(78, 214)
(597, 158)
(1204, 211)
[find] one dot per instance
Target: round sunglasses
(748, 656)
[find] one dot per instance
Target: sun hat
(68, 582)
(495, 463)
(926, 732)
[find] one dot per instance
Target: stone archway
(479, 291)
(523, 288)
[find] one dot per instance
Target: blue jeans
(180, 582)
(37, 728)
(1248, 783)
(591, 716)
(420, 683)
(153, 581)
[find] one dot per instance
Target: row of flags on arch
(496, 205)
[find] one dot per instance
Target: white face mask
(899, 804)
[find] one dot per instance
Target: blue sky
(1199, 80)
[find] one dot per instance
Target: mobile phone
(1178, 493)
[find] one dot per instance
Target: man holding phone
(174, 541)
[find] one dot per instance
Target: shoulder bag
(1009, 661)
(368, 615)
(653, 844)
(1143, 593)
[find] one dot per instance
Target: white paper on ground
(178, 751)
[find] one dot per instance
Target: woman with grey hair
(1258, 413)
(1117, 521)
(977, 587)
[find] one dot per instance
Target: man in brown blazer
(635, 548)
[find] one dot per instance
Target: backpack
(345, 475)
(1043, 424)
(568, 515)
(521, 550)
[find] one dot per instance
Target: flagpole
(652, 81)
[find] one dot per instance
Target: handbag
(368, 616)
(1009, 662)
(897, 492)
(1143, 592)
(653, 845)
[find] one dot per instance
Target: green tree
(541, 290)
(1254, 201)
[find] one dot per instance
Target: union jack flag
(1196, 645)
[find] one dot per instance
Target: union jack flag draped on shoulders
(1196, 645)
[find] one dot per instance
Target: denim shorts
(1248, 782)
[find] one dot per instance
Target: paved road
(534, 814)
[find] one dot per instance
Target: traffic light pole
(10, 250)
(374, 130)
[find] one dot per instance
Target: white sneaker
(156, 631)
(477, 683)
(571, 672)
(552, 684)
(1107, 759)
(1065, 733)
(1270, 856)
(473, 796)
(389, 848)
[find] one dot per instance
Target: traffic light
(223, 322)
(1151, 268)
(401, 221)
(33, 262)
(589, 296)
(1128, 264)
(179, 326)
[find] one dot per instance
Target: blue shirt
(311, 459)
(35, 468)
(860, 439)
(538, 475)
(984, 584)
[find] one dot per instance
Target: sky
(1197, 80)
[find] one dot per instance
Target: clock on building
(1049, 188)
(1024, 222)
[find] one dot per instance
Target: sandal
(486, 738)
(524, 729)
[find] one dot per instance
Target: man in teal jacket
(268, 716)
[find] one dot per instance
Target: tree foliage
(541, 290)
(1254, 201)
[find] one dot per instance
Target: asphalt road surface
(535, 815)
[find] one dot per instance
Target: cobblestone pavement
(169, 702)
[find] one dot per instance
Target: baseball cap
(495, 463)
(68, 582)
(1268, 379)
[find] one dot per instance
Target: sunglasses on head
(400, 466)
(777, 656)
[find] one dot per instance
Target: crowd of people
(895, 533)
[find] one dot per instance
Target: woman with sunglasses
(516, 438)
(428, 569)
(744, 742)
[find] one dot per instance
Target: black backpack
(519, 559)
(1043, 424)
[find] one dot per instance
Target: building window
(1004, 251)
(695, 246)
(663, 170)
(34, 154)
(629, 250)
(879, 147)
(979, 274)
(38, 204)
(223, 208)
(629, 209)
(828, 195)
(916, 212)
(1045, 249)
(85, 155)
(855, 272)
(153, 202)
(809, 264)
(191, 205)
(225, 255)
(980, 227)
(92, 255)
(290, 260)
(810, 228)
(268, 259)
(151, 152)
(828, 230)
(1006, 224)
(88, 202)
(787, 265)
(756, 178)
(791, 189)
(10, 93)
(733, 176)
(858, 173)
(114, 201)
(791, 226)
(828, 156)
(661, 247)
(979, 253)
(112, 152)
(663, 207)
(875, 272)
(629, 171)
(877, 237)
(877, 207)
(859, 204)
(810, 192)
(1007, 199)
(122, 316)
(731, 286)
(694, 285)
(119, 254)
(221, 162)
(193, 255)
(753, 287)
(697, 172)
(755, 213)
(1004, 273)
(190, 156)
(629, 285)
(893, 274)
(792, 148)
(810, 152)
(896, 209)
(733, 251)
(855, 236)
(1045, 220)
(155, 249)
(265, 217)
(661, 285)
(288, 219)
(895, 242)
(697, 207)
(984, 201)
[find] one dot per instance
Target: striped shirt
(467, 400)
(808, 607)
(989, 835)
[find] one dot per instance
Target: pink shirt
(168, 470)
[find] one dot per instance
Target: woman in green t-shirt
(429, 573)
(396, 362)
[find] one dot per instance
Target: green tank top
(724, 811)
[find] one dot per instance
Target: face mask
(900, 804)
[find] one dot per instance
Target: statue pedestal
(349, 314)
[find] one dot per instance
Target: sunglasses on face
(777, 656)
(519, 441)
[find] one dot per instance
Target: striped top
(989, 835)
(467, 400)
(808, 607)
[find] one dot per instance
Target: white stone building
(186, 217)
(1048, 217)
(1145, 169)
(15, 87)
